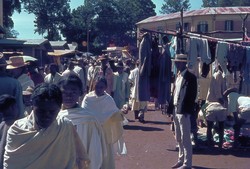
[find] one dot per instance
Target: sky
(24, 22)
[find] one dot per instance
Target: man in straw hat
(184, 95)
(17, 68)
(10, 86)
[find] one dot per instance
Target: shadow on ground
(143, 128)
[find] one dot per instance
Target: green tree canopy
(51, 16)
(108, 21)
(9, 6)
(172, 6)
(225, 3)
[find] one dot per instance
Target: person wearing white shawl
(43, 141)
(87, 126)
(103, 107)
(53, 77)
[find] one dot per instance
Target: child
(88, 128)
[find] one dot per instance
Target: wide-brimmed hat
(2, 61)
(28, 91)
(15, 62)
(180, 58)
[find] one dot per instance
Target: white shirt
(178, 84)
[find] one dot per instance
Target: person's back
(9, 115)
(11, 86)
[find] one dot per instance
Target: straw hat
(180, 58)
(103, 57)
(15, 62)
(28, 91)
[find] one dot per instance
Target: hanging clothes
(235, 59)
(145, 67)
(205, 66)
(221, 55)
(198, 48)
(165, 74)
(155, 71)
(246, 74)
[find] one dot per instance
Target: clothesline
(190, 34)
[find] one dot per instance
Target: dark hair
(102, 79)
(73, 80)
(6, 101)
(46, 91)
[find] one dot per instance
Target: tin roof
(199, 12)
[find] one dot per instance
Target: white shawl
(90, 132)
(58, 146)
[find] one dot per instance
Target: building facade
(227, 20)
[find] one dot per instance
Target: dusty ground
(152, 146)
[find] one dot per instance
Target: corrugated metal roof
(58, 43)
(35, 41)
(204, 11)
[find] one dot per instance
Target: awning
(61, 52)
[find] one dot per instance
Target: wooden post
(1, 12)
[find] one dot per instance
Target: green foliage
(225, 3)
(9, 6)
(51, 16)
(172, 6)
(210, 3)
(107, 21)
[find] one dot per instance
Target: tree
(108, 21)
(51, 16)
(9, 6)
(210, 3)
(172, 6)
(225, 3)
(81, 25)
(117, 19)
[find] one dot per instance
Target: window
(177, 26)
(202, 27)
(229, 25)
(186, 27)
(160, 29)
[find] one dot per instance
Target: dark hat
(180, 58)
(119, 64)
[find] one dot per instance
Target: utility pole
(1, 17)
(1, 12)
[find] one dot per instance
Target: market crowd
(74, 113)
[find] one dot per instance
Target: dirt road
(152, 146)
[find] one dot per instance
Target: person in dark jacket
(9, 113)
(185, 91)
